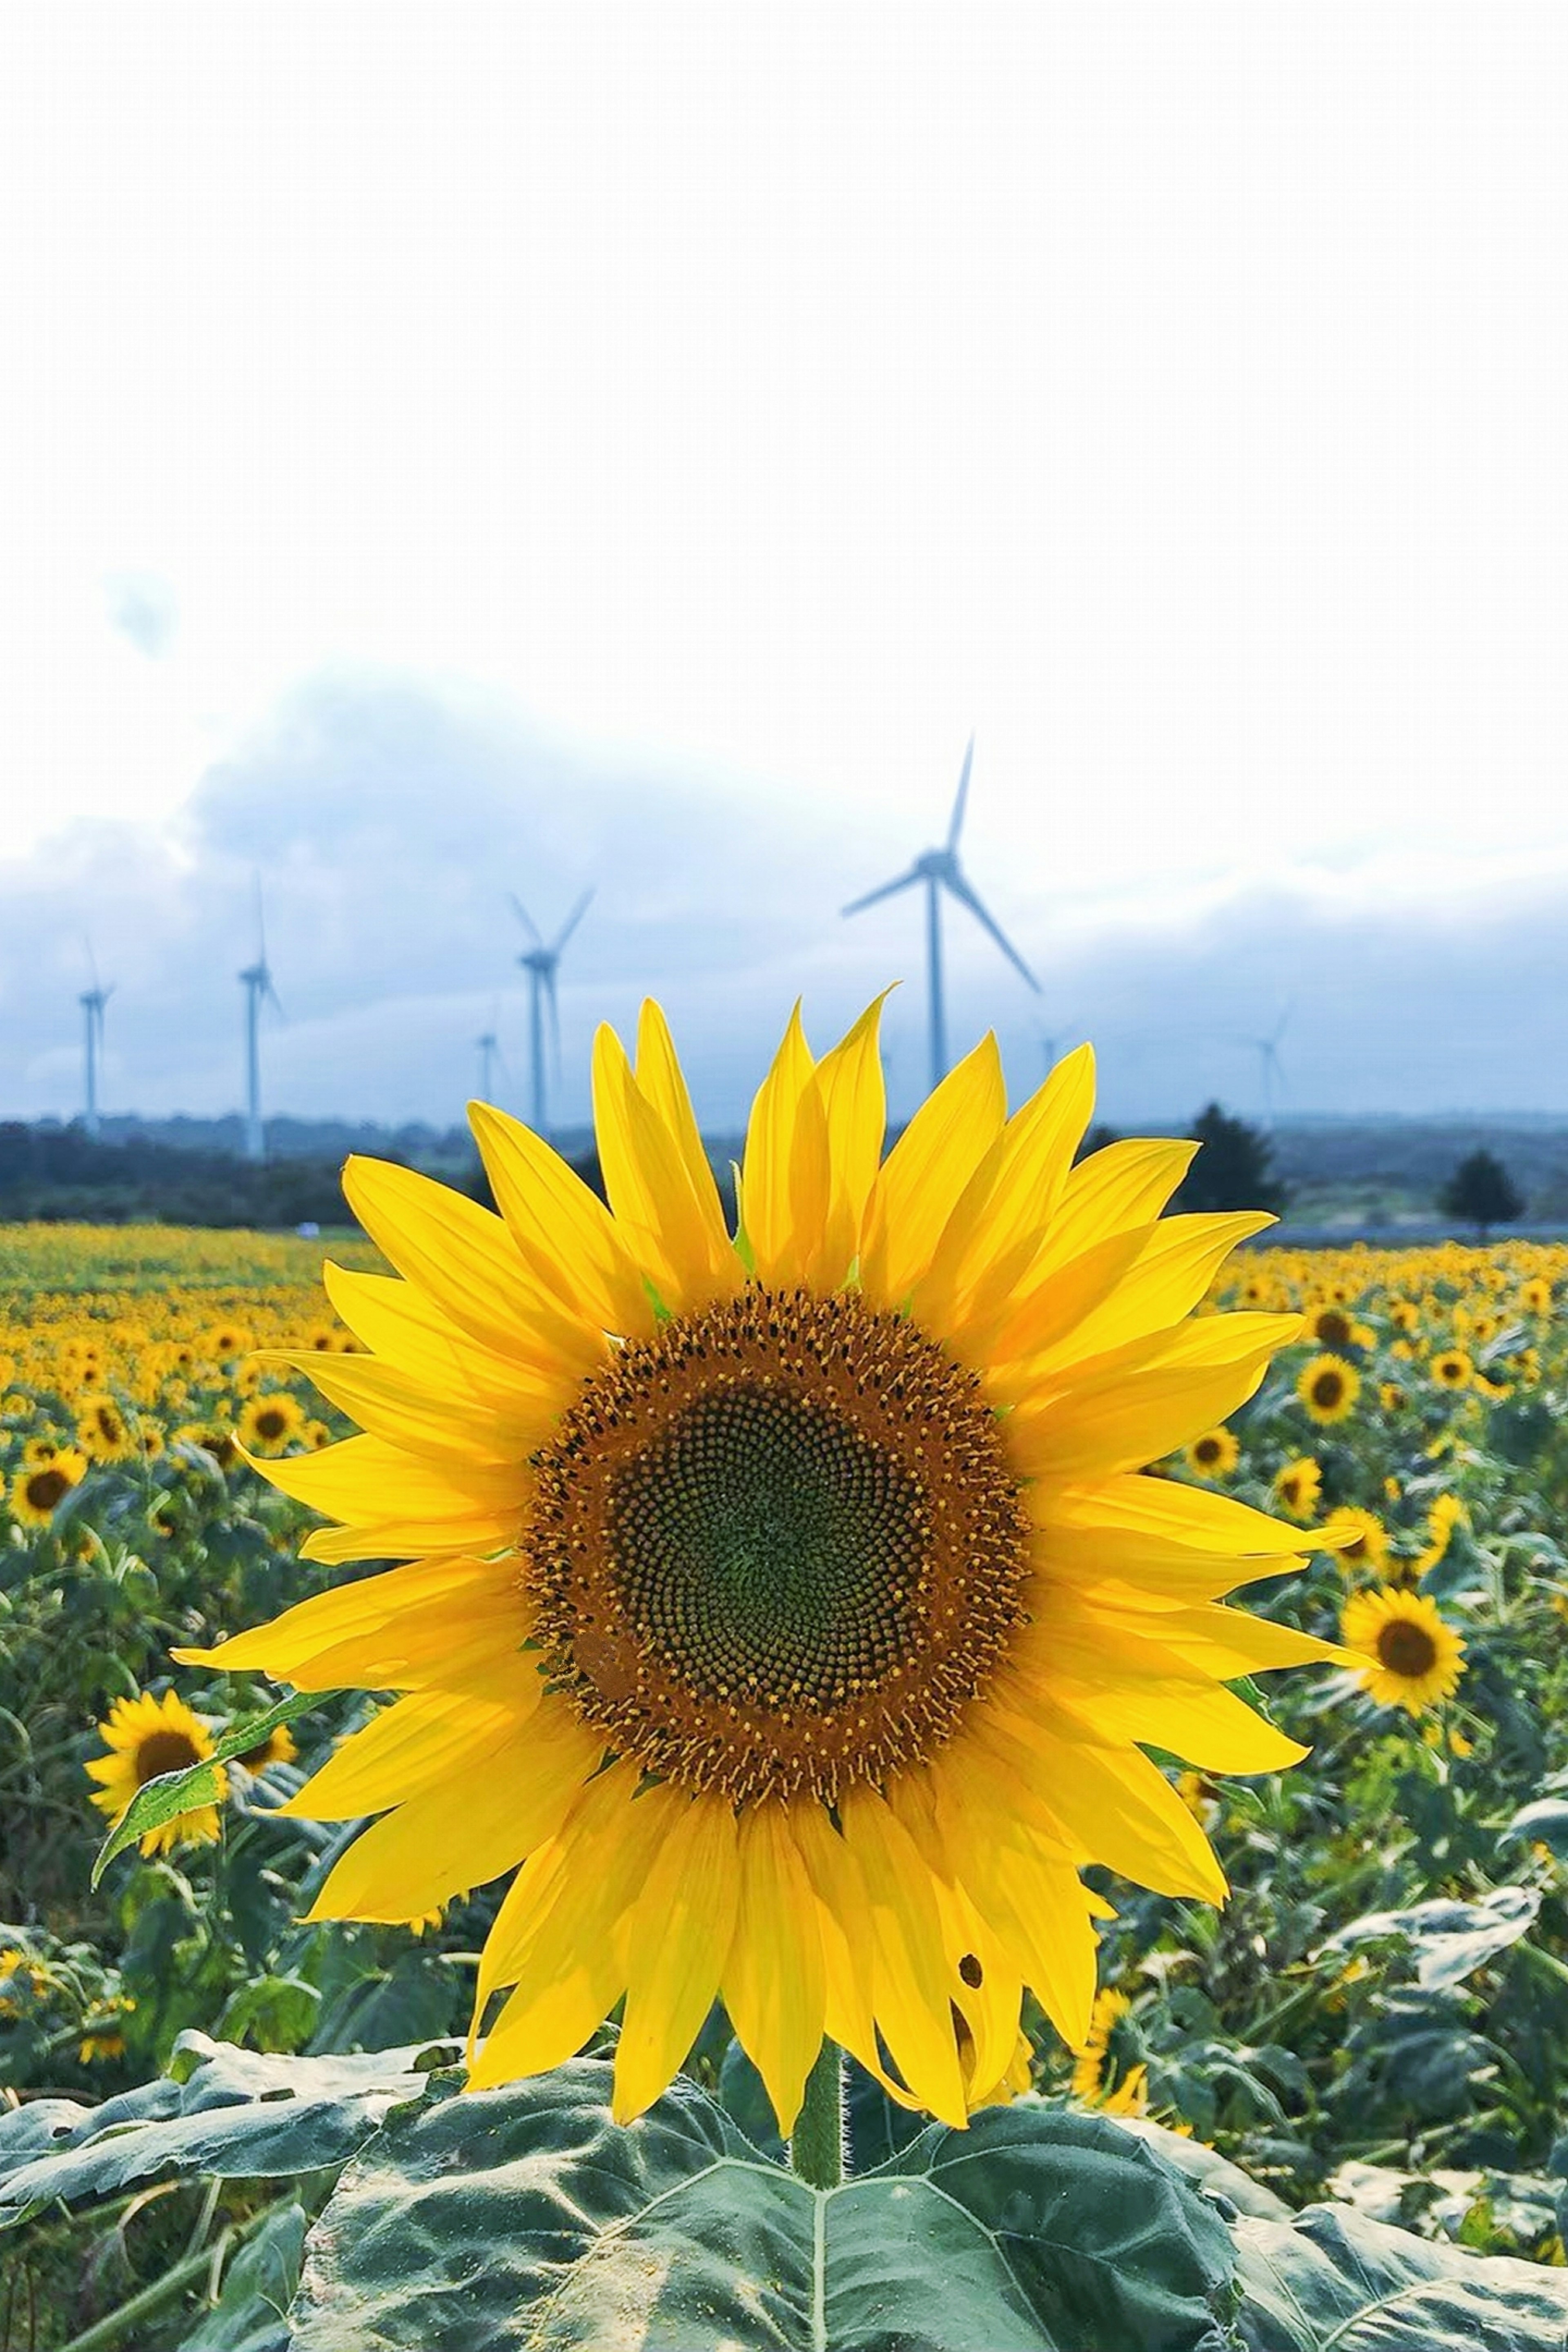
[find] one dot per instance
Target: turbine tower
(257, 981)
(1270, 1068)
(540, 963)
(92, 1001)
(940, 870)
(491, 1058)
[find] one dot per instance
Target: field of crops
(1377, 2020)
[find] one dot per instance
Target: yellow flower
(789, 1605)
(146, 1736)
(268, 1422)
(37, 1493)
(1215, 1454)
(1535, 1296)
(277, 1748)
(1453, 1369)
(1331, 1327)
(1414, 1657)
(1298, 1485)
(102, 1431)
(1092, 2057)
(1328, 1387)
(1357, 1538)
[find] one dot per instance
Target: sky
(634, 446)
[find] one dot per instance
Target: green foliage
(172, 1793)
(1234, 1168)
(1482, 1193)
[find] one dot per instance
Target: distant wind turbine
(1271, 1069)
(940, 870)
(491, 1058)
(92, 1003)
(257, 981)
(540, 963)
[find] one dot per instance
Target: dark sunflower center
(1207, 1450)
(269, 1423)
(1326, 1389)
(778, 1547)
(164, 1751)
(46, 1488)
(1333, 1329)
(1406, 1649)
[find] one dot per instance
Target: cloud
(143, 607)
(388, 817)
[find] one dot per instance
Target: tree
(1482, 1193)
(1234, 1169)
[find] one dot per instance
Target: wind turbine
(540, 963)
(491, 1056)
(92, 1003)
(940, 870)
(257, 981)
(1269, 1066)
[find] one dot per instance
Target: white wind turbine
(940, 870)
(257, 981)
(540, 963)
(1271, 1069)
(92, 1001)
(491, 1058)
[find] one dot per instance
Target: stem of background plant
(816, 2151)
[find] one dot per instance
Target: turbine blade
(961, 803)
(554, 1021)
(573, 919)
(1280, 1025)
(271, 994)
(525, 919)
(960, 889)
(903, 883)
(260, 926)
(91, 962)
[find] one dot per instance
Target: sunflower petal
(679, 1940)
(928, 1168)
(773, 1984)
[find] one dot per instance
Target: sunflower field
(1330, 2110)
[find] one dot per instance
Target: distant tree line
(59, 1175)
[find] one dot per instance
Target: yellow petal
(366, 1635)
(784, 1171)
(1126, 1183)
(465, 1260)
(928, 1169)
(563, 1233)
(651, 1190)
(854, 1098)
(468, 1829)
(659, 1074)
(395, 1320)
(1112, 1804)
(910, 1975)
(355, 1480)
(1158, 1274)
(774, 1983)
(1117, 1420)
(679, 1938)
(1163, 1511)
(439, 1423)
(415, 1744)
(1026, 1890)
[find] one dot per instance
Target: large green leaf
(1333, 2281)
(1449, 1940)
(525, 2218)
(220, 2110)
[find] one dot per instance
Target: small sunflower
(1215, 1454)
(1328, 1387)
(269, 1422)
(1298, 1485)
(102, 1431)
(1453, 1369)
(38, 1450)
(146, 1736)
(1414, 1657)
(37, 1493)
(1357, 1538)
(1535, 1296)
(789, 1604)
(1332, 1326)
(277, 1748)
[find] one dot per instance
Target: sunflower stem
(816, 2150)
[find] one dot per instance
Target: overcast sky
(459, 449)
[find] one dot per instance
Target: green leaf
(1544, 1822)
(219, 2110)
(1449, 1940)
(157, 1802)
(251, 2314)
(1332, 2281)
(525, 2217)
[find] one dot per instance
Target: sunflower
(1215, 1454)
(1535, 1296)
(789, 1605)
(268, 1422)
(102, 1433)
(1414, 1657)
(37, 1493)
(1358, 1538)
(1298, 1485)
(38, 1450)
(1328, 1387)
(147, 1735)
(1453, 1369)
(1331, 1327)
(277, 1748)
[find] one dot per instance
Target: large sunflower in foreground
(788, 1605)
